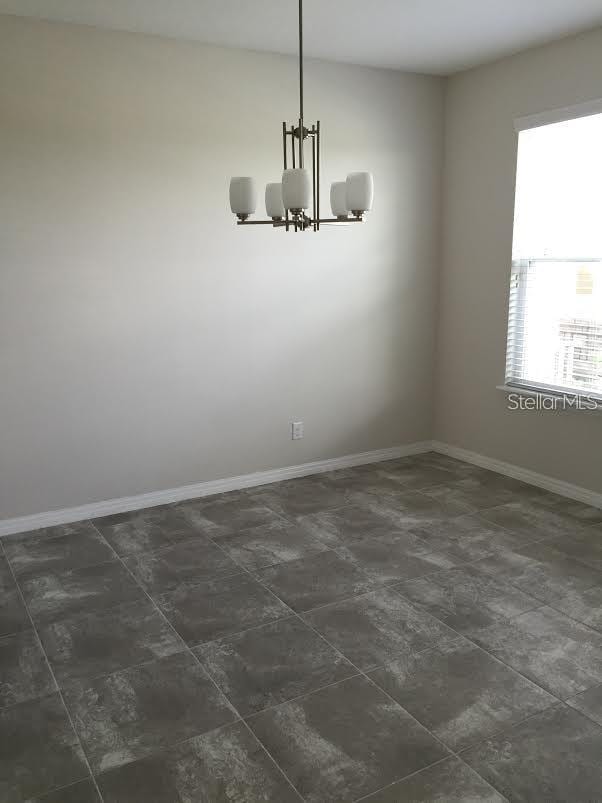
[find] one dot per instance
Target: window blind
(555, 326)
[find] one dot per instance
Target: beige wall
(480, 160)
(145, 342)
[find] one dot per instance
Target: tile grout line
(56, 789)
(401, 780)
(244, 570)
(458, 754)
(543, 541)
(460, 635)
(271, 757)
(423, 606)
(425, 492)
(578, 710)
(207, 675)
(255, 714)
(558, 700)
(430, 732)
(558, 610)
(417, 772)
(380, 586)
(159, 751)
(292, 521)
(186, 647)
(299, 616)
(54, 680)
(293, 613)
(363, 674)
(453, 752)
(543, 603)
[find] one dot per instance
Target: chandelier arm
(342, 221)
(301, 63)
(317, 141)
(285, 162)
(269, 222)
(313, 181)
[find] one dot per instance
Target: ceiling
(431, 36)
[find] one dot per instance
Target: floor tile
(93, 644)
(40, 750)
(266, 546)
(344, 741)
(409, 509)
(584, 606)
(466, 597)
(362, 478)
(541, 571)
(418, 476)
(554, 756)
(531, 494)
(232, 513)
(271, 664)
(316, 580)
(472, 621)
(336, 527)
(56, 549)
(449, 781)
(585, 547)
(80, 792)
(216, 608)
(557, 653)
(190, 561)
(585, 514)
(372, 629)
(299, 497)
(474, 492)
(456, 467)
(394, 556)
(460, 693)
(13, 616)
(132, 713)
(222, 766)
(24, 672)
(150, 529)
(55, 596)
(469, 538)
(535, 521)
(589, 703)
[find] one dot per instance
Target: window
(555, 316)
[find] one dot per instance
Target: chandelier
(294, 203)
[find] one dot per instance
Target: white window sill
(547, 400)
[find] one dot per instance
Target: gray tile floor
(418, 630)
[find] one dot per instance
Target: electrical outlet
(297, 430)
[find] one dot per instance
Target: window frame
(542, 389)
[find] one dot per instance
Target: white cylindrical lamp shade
(359, 192)
(296, 189)
(243, 195)
(273, 201)
(338, 198)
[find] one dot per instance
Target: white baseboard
(127, 503)
(524, 474)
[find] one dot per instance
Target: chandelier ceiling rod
(287, 202)
(301, 80)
